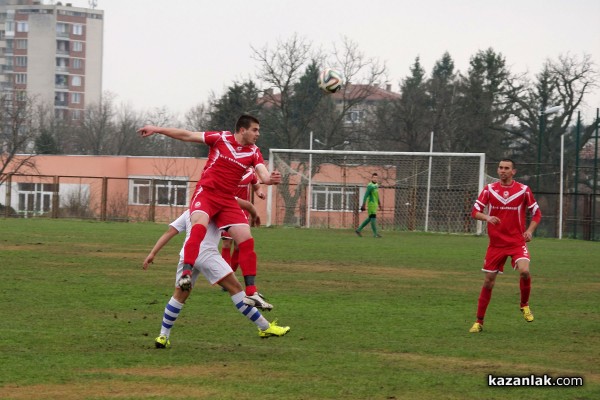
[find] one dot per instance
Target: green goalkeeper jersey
(371, 198)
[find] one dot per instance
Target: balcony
(6, 86)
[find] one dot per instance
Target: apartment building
(52, 51)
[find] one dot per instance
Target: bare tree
(293, 105)
(127, 120)
(534, 132)
(97, 130)
(159, 145)
(18, 131)
(198, 117)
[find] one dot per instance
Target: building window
(62, 30)
(60, 80)
(35, 198)
(9, 28)
(62, 46)
(62, 64)
(21, 44)
(21, 79)
(76, 80)
(21, 61)
(21, 95)
(168, 192)
(75, 115)
(59, 114)
(77, 29)
(77, 63)
(77, 46)
(75, 98)
(354, 116)
(22, 26)
(334, 198)
(60, 99)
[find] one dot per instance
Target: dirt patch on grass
(457, 364)
(139, 382)
(400, 272)
(113, 389)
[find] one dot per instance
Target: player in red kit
(508, 202)
(230, 156)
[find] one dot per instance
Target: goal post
(419, 191)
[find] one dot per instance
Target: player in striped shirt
(507, 202)
(216, 271)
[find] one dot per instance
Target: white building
(52, 52)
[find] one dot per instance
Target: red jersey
(227, 162)
(245, 185)
(510, 204)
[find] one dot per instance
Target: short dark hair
(510, 161)
(244, 121)
(374, 174)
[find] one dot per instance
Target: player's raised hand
(147, 130)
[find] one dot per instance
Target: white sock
(172, 310)
(250, 312)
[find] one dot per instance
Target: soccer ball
(330, 80)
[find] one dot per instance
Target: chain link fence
(158, 200)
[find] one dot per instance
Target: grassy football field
(371, 318)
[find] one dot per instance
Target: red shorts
(495, 257)
(223, 210)
(225, 235)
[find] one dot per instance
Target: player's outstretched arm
(174, 133)
(160, 243)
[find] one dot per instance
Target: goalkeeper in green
(370, 203)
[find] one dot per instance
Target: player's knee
(181, 296)
(489, 282)
(231, 284)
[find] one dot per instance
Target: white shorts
(210, 264)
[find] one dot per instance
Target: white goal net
(418, 191)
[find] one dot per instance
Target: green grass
(371, 318)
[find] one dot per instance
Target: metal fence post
(55, 198)
(104, 199)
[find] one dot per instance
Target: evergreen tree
(45, 144)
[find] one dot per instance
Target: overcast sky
(174, 53)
